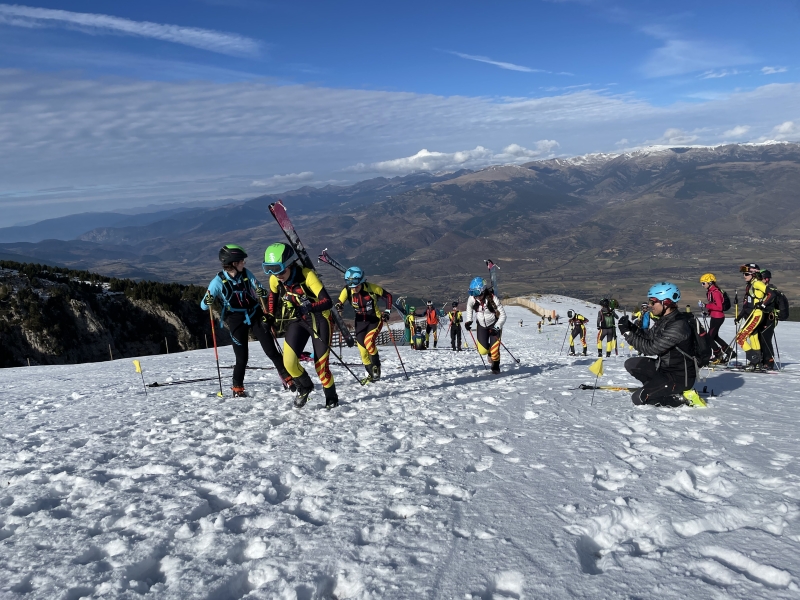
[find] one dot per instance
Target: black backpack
(726, 302)
(781, 305)
(701, 345)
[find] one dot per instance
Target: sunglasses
(654, 302)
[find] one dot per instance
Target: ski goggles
(353, 281)
(274, 268)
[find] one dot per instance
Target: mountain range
(587, 226)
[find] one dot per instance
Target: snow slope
(455, 484)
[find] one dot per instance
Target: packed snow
(453, 484)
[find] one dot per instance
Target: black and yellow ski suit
(489, 317)
(756, 298)
(577, 329)
(456, 318)
(606, 329)
(368, 322)
(767, 329)
(287, 303)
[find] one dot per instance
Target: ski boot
(331, 397)
(572, 351)
(435, 342)
(600, 352)
(584, 352)
(288, 382)
(368, 378)
(304, 388)
(608, 354)
(495, 367)
(692, 398)
(238, 391)
(376, 368)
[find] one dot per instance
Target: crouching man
(667, 380)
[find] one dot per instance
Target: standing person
(557, 317)
(301, 307)
(484, 308)
(456, 319)
(539, 326)
(668, 379)
(606, 327)
(757, 297)
(714, 305)
(411, 325)
(770, 322)
(577, 329)
(431, 324)
(240, 293)
(363, 297)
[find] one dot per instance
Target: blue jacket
(238, 294)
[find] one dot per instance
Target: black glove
(624, 324)
(386, 315)
(350, 341)
(494, 331)
(339, 306)
(262, 292)
(268, 320)
(468, 325)
(208, 299)
(305, 307)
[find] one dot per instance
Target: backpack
(608, 320)
(726, 301)
(701, 342)
(781, 305)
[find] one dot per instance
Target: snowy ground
(455, 484)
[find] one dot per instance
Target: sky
(110, 105)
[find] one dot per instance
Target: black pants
(239, 330)
(317, 327)
(767, 349)
(717, 343)
(658, 388)
(455, 337)
(488, 343)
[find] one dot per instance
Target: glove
(350, 341)
(262, 292)
(700, 304)
(305, 307)
(494, 331)
(386, 315)
(208, 299)
(338, 306)
(624, 324)
(268, 319)
(468, 325)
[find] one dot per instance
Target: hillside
(587, 226)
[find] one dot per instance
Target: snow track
(455, 484)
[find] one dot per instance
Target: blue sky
(107, 105)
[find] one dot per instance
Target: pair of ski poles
(481, 355)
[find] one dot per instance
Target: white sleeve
(502, 312)
(470, 312)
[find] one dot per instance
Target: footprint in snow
(483, 464)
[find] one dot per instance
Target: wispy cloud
(289, 179)
(503, 65)
(737, 132)
(712, 74)
(773, 70)
(205, 39)
(788, 130)
(477, 158)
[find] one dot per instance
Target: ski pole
(476, 348)
(565, 339)
(509, 351)
(391, 337)
(778, 351)
(216, 353)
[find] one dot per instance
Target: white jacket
(478, 312)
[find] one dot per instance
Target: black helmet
(231, 253)
(605, 303)
(766, 274)
(455, 304)
(570, 314)
(430, 302)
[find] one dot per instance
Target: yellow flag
(138, 366)
(597, 367)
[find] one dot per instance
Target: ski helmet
(277, 257)
(411, 309)
(665, 292)
(605, 303)
(430, 303)
(354, 277)
(645, 305)
(766, 274)
(570, 314)
(708, 278)
(231, 253)
(477, 286)
(455, 304)
(749, 268)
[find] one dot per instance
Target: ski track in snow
(455, 484)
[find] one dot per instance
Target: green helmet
(277, 257)
(411, 310)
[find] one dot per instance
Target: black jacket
(670, 333)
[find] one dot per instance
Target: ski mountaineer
(431, 324)
(714, 305)
(770, 321)
(411, 325)
(363, 297)
(757, 297)
(456, 318)
(606, 327)
(301, 308)
(668, 379)
(240, 293)
(484, 308)
(418, 341)
(577, 329)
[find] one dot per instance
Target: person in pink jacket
(714, 308)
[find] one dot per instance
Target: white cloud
(479, 157)
(788, 130)
(712, 74)
(674, 137)
(773, 70)
(680, 56)
(284, 180)
(503, 65)
(737, 132)
(206, 39)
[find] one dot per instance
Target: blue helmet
(477, 286)
(354, 276)
(666, 292)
